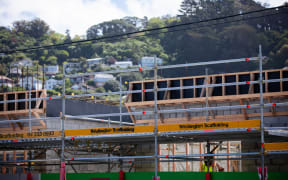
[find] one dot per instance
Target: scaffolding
(156, 133)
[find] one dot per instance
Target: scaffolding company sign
(210, 125)
(43, 134)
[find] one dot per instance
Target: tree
(109, 28)
(111, 85)
(36, 28)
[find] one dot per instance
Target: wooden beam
(244, 112)
(41, 121)
(281, 82)
(233, 117)
(160, 115)
(186, 113)
(21, 112)
(173, 153)
(211, 99)
(204, 89)
(201, 152)
(251, 86)
(11, 124)
(14, 159)
(187, 152)
(223, 87)
(4, 158)
(228, 161)
(131, 115)
(18, 123)
(25, 158)
(159, 163)
(273, 109)
(167, 93)
(38, 102)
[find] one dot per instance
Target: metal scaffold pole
(261, 111)
(120, 101)
(62, 171)
(155, 120)
(29, 103)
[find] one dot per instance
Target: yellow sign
(114, 130)
(137, 129)
(39, 134)
(209, 125)
(165, 128)
(280, 146)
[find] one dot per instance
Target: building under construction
(211, 126)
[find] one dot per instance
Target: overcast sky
(79, 15)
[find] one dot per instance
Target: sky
(79, 15)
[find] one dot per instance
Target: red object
(166, 156)
(15, 140)
(208, 176)
(247, 59)
(265, 173)
(72, 138)
(144, 90)
(55, 149)
(249, 129)
(121, 175)
(140, 69)
(248, 106)
(247, 82)
(274, 104)
(143, 112)
(72, 159)
(262, 145)
(29, 176)
(50, 98)
(62, 171)
(129, 162)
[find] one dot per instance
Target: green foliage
(111, 85)
(184, 46)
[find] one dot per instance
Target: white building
(24, 62)
(5, 81)
(122, 64)
(149, 61)
(15, 71)
(51, 69)
(69, 67)
(37, 84)
(94, 61)
(52, 83)
(100, 79)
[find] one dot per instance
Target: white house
(24, 62)
(5, 81)
(51, 69)
(122, 64)
(100, 79)
(92, 62)
(16, 71)
(69, 67)
(37, 84)
(52, 83)
(149, 61)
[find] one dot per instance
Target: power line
(126, 35)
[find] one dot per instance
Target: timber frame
(239, 94)
(15, 110)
